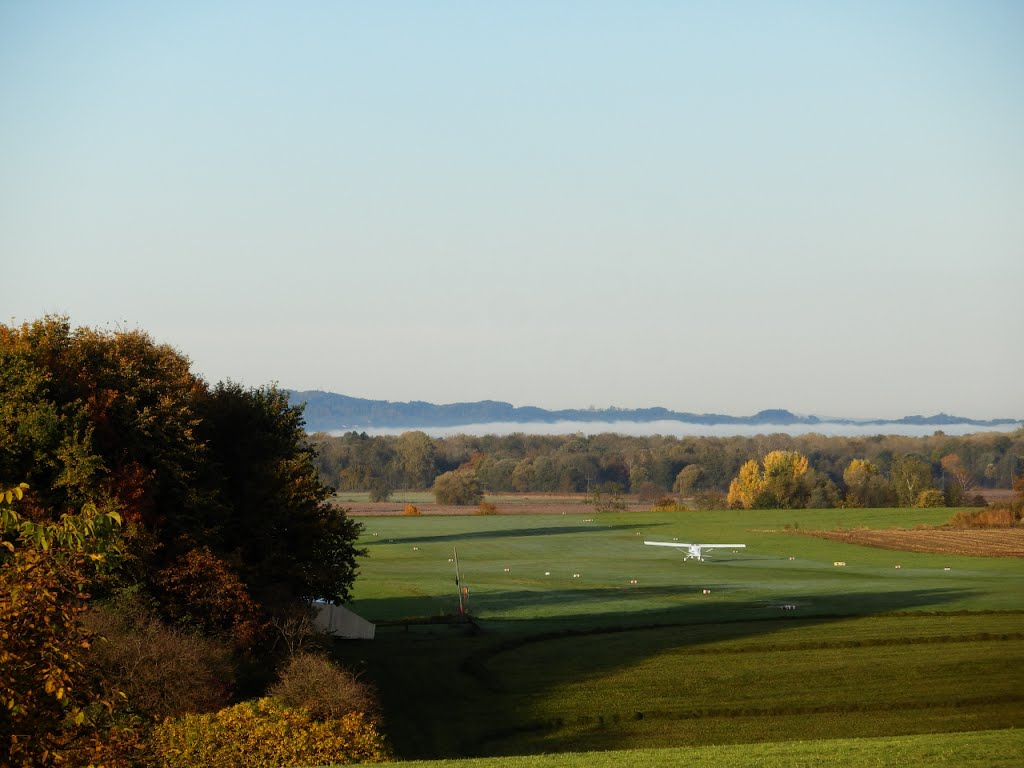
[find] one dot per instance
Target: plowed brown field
(990, 542)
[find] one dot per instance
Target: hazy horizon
(679, 429)
(830, 417)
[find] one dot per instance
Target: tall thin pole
(458, 582)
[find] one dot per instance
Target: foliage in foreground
(50, 705)
(202, 501)
(265, 734)
(115, 418)
(162, 671)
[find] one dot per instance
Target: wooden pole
(458, 582)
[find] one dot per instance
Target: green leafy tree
(910, 475)
(379, 489)
(687, 479)
(818, 490)
(961, 482)
(417, 456)
(865, 485)
(459, 487)
(496, 474)
(275, 521)
(522, 475)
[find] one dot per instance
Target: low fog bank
(683, 429)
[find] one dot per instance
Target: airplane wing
(722, 546)
(668, 544)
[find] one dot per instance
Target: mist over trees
(883, 470)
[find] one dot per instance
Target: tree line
(881, 470)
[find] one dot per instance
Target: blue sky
(706, 206)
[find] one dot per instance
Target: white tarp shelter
(339, 621)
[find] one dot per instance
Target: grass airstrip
(583, 639)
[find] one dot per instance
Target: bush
(712, 499)
(312, 683)
(200, 592)
(668, 504)
(648, 491)
(379, 490)
(991, 517)
(411, 510)
(265, 734)
(162, 671)
(460, 487)
(930, 498)
(608, 498)
(487, 508)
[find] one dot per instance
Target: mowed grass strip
(764, 680)
(982, 749)
(620, 581)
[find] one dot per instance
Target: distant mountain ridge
(327, 411)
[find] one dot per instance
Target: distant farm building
(339, 621)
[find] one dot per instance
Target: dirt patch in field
(526, 506)
(990, 542)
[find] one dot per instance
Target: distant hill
(327, 411)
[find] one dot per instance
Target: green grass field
(571, 655)
(981, 749)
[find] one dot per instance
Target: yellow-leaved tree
(745, 487)
(775, 483)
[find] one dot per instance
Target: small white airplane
(694, 551)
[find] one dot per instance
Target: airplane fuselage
(694, 551)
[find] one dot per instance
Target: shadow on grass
(511, 533)
(446, 695)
